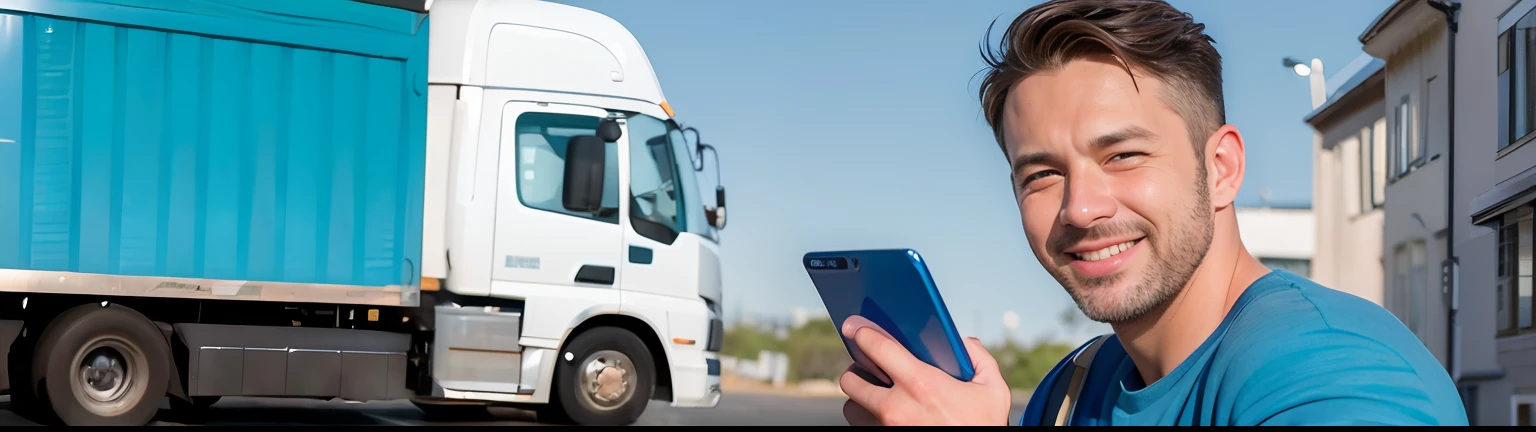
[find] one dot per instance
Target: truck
(460, 203)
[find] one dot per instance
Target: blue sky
(855, 125)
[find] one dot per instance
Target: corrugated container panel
(266, 140)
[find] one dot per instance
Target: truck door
(662, 254)
(538, 240)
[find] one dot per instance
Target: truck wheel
(102, 366)
(606, 377)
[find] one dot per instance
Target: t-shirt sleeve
(1327, 377)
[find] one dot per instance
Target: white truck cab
(568, 254)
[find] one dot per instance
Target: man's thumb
(980, 358)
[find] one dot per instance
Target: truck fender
(174, 387)
(594, 316)
(587, 315)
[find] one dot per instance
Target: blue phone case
(893, 290)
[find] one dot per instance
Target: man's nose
(1087, 201)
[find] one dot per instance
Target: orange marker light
(682, 341)
(668, 109)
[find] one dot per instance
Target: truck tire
(605, 377)
(102, 366)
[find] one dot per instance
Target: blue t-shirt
(1291, 352)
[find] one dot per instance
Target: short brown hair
(1145, 34)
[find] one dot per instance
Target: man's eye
(1036, 176)
(1126, 155)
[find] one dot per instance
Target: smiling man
(1111, 116)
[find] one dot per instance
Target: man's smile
(1104, 257)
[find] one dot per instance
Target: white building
(1280, 237)
(1460, 113)
(1349, 180)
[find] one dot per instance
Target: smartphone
(892, 292)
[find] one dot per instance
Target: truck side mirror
(609, 131)
(717, 218)
(584, 168)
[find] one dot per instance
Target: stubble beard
(1173, 261)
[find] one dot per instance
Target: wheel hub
(103, 374)
(103, 371)
(607, 379)
(106, 378)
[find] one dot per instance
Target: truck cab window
(695, 220)
(541, 144)
(663, 185)
(656, 192)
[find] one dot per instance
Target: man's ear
(1225, 164)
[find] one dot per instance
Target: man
(1110, 113)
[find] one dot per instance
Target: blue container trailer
(248, 173)
(278, 141)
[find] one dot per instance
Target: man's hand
(922, 394)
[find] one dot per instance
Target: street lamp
(1300, 68)
(1314, 71)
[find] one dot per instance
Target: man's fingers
(858, 416)
(889, 356)
(983, 360)
(859, 390)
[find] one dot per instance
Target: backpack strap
(1055, 399)
(1080, 365)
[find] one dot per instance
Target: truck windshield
(662, 179)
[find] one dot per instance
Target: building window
(1524, 407)
(1373, 165)
(1517, 80)
(1404, 154)
(1410, 285)
(1349, 166)
(1425, 116)
(1514, 303)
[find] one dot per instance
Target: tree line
(816, 352)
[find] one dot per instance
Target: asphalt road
(734, 409)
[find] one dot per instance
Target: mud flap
(9, 331)
(174, 386)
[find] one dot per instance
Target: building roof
(1367, 67)
(1401, 23)
(1386, 17)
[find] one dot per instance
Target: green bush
(1024, 367)
(816, 351)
